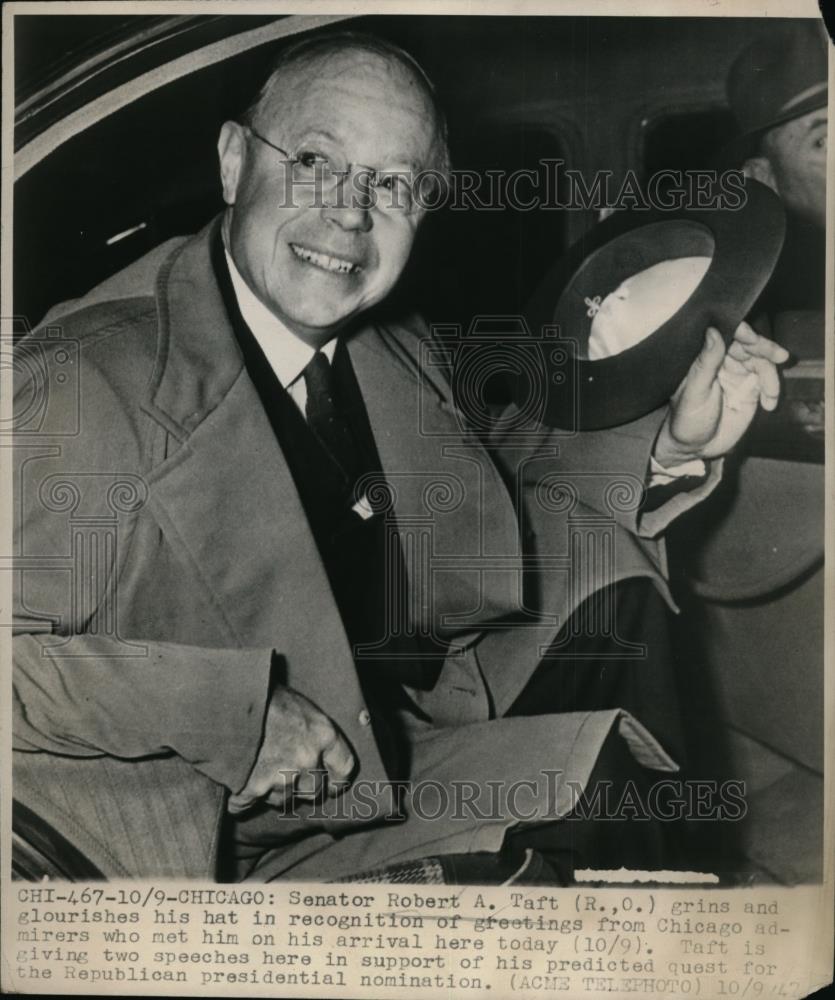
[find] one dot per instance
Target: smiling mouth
(325, 262)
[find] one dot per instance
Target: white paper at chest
(363, 508)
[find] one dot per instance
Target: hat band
(804, 95)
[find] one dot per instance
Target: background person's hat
(779, 76)
(574, 392)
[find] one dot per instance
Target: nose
(350, 203)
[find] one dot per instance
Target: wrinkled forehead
(358, 98)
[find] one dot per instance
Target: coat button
(364, 717)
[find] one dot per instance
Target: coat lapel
(454, 516)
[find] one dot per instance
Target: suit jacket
(164, 556)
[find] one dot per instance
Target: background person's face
(315, 266)
(797, 154)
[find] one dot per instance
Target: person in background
(777, 90)
(752, 555)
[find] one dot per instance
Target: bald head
(333, 54)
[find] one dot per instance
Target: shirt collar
(287, 354)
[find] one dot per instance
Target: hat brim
(580, 394)
(734, 153)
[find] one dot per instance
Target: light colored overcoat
(163, 555)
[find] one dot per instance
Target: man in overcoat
(266, 570)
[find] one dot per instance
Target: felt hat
(665, 279)
(781, 75)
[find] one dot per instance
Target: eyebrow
(817, 122)
(321, 133)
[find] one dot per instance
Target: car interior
(96, 189)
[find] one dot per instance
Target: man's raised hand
(716, 402)
(303, 753)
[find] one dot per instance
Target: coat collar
(198, 360)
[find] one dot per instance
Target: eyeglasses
(392, 191)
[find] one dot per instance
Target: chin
(318, 314)
(318, 322)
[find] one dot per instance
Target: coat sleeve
(78, 688)
(608, 470)
(85, 698)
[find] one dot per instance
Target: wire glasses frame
(326, 174)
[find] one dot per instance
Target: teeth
(335, 264)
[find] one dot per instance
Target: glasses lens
(395, 192)
(312, 165)
(320, 173)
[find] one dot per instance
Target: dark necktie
(325, 418)
(357, 569)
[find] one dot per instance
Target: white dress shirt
(287, 354)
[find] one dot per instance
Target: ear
(230, 151)
(759, 169)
